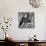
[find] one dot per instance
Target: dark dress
(24, 20)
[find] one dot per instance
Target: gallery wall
(10, 8)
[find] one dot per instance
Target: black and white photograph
(26, 20)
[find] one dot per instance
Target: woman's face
(25, 16)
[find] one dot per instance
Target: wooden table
(28, 43)
(31, 43)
